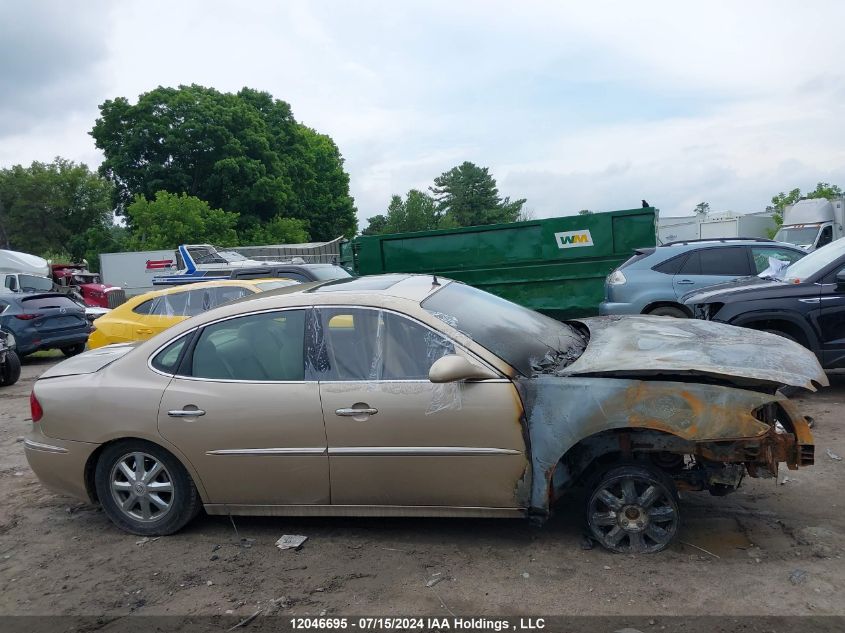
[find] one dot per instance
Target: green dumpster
(556, 265)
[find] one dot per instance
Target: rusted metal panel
(646, 345)
(712, 422)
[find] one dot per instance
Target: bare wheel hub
(633, 518)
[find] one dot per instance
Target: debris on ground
(147, 539)
(247, 542)
(291, 541)
(435, 578)
(525, 574)
(798, 576)
(833, 455)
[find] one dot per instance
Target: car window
(264, 286)
(672, 266)
(3, 306)
(354, 344)
(144, 307)
(826, 236)
(11, 283)
(724, 261)
(692, 265)
(761, 256)
(257, 347)
(47, 303)
(32, 282)
(171, 305)
(291, 275)
(167, 359)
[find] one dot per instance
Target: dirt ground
(771, 548)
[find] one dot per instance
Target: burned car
(409, 395)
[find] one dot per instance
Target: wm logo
(572, 239)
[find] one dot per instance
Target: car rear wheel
(144, 489)
(669, 311)
(11, 369)
(633, 509)
(73, 350)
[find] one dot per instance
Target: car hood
(728, 288)
(90, 361)
(639, 346)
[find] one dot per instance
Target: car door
(242, 412)
(709, 266)
(395, 438)
(831, 320)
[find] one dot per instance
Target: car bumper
(59, 464)
(608, 308)
(98, 339)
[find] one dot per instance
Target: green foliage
(279, 230)
(585, 212)
(468, 194)
(111, 238)
(783, 200)
(243, 153)
(376, 225)
(45, 207)
(702, 208)
(170, 220)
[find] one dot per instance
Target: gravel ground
(771, 548)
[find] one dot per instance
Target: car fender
(560, 412)
(798, 320)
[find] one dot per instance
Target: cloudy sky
(572, 105)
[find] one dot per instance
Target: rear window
(329, 272)
(640, 253)
(45, 303)
(272, 285)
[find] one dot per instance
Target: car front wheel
(633, 509)
(144, 489)
(10, 371)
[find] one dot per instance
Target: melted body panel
(642, 345)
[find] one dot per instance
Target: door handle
(686, 281)
(356, 412)
(185, 413)
(144, 331)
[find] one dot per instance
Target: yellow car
(146, 315)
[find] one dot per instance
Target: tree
(45, 206)
(170, 220)
(243, 153)
(279, 230)
(376, 225)
(702, 209)
(468, 195)
(585, 212)
(783, 200)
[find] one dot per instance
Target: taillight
(35, 407)
(27, 317)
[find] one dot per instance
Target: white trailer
(735, 225)
(677, 229)
(134, 272)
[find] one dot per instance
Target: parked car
(45, 320)
(654, 279)
(146, 315)
(405, 395)
(10, 363)
(805, 303)
(300, 272)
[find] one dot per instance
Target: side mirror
(840, 278)
(454, 368)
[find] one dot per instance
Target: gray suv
(654, 279)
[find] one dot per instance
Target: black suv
(805, 303)
(298, 272)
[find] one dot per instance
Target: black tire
(11, 369)
(633, 509)
(73, 350)
(183, 499)
(669, 311)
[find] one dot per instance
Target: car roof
(210, 284)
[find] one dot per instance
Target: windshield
(803, 236)
(232, 256)
(32, 283)
(329, 272)
(526, 340)
(808, 266)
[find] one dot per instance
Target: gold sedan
(405, 395)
